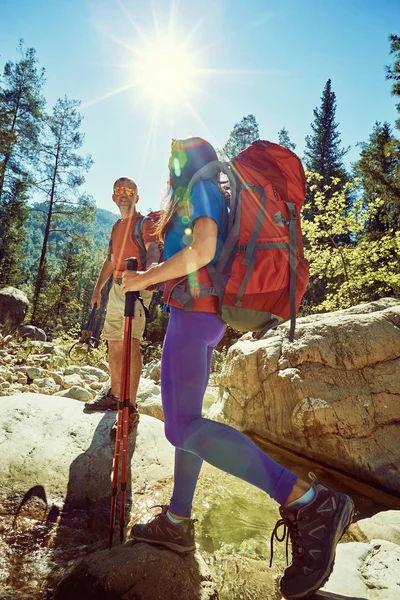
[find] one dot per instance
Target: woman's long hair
(187, 157)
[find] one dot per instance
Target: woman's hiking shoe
(133, 420)
(314, 530)
(178, 537)
(103, 402)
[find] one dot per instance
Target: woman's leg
(187, 464)
(184, 376)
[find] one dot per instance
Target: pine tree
(284, 139)
(13, 212)
(21, 106)
(393, 72)
(63, 173)
(378, 170)
(243, 133)
(323, 154)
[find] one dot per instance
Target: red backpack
(261, 274)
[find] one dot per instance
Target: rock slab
(333, 395)
(138, 572)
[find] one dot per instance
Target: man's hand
(96, 298)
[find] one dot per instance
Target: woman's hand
(133, 281)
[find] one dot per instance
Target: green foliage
(79, 354)
(359, 271)
(243, 133)
(21, 105)
(62, 174)
(378, 170)
(13, 213)
(393, 71)
(284, 139)
(157, 322)
(323, 154)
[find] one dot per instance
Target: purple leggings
(185, 370)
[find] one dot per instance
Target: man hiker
(123, 245)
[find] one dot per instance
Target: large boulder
(333, 395)
(365, 571)
(32, 332)
(13, 307)
(50, 441)
(138, 572)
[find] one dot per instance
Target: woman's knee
(174, 434)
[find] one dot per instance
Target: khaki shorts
(114, 321)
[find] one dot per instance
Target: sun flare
(165, 72)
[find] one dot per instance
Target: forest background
(53, 237)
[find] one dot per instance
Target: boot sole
(342, 522)
(90, 408)
(174, 547)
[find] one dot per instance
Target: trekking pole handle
(130, 297)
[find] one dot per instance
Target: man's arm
(105, 274)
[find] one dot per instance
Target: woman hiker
(193, 232)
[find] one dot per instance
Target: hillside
(99, 232)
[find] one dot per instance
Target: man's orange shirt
(122, 246)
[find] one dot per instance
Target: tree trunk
(8, 155)
(42, 262)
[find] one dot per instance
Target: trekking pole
(123, 410)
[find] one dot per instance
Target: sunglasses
(118, 191)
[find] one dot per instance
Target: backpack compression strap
(292, 267)
(137, 235)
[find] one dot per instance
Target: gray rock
(384, 526)
(96, 386)
(47, 385)
(32, 332)
(35, 372)
(147, 388)
(139, 571)
(42, 347)
(77, 392)
(70, 381)
(369, 571)
(149, 399)
(99, 373)
(55, 443)
(13, 307)
(153, 370)
(71, 370)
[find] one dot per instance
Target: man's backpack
(137, 235)
(261, 274)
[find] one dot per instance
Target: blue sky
(271, 59)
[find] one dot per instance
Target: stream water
(235, 520)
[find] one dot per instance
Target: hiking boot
(133, 420)
(178, 537)
(314, 530)
(105, 401)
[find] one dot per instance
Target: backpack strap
(112, 231)
(211, 171)
(137, 235)
(292, 267)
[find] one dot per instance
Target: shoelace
(290, 531)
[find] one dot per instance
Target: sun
(166, 72)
